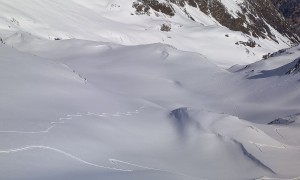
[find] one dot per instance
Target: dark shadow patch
(182, 121)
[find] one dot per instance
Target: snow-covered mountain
(198, 26)
(119, 90)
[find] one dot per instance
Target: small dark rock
(165, 27)
(249, 43)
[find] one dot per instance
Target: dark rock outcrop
(277, 53)
(286, 120)
(296, 68)
(281, 121)
(249, 43)
(255, 17)
(290, 9)
(165, 27)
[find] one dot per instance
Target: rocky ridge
(259, 19)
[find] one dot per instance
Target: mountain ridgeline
(260, 19)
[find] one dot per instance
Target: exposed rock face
(296, 68)
(281, 121)
(255, 18)
(291, 10)
(286, 120)
(249, 43)
(144, 6)
(278, 53)
(165, 27)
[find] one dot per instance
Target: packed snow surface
(91, 107)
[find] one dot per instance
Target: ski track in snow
(268, 178)
(115, 161)
(260, 145)
(277, 131)
(70, 116)
(60, 152)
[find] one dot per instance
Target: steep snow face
(118, 21)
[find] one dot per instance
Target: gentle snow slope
(89, 110)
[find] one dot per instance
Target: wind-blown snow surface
(82, 109)
(77, 109)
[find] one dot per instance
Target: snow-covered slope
(117, 21)
(281, 63)
(116, 98)
(91, 110)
